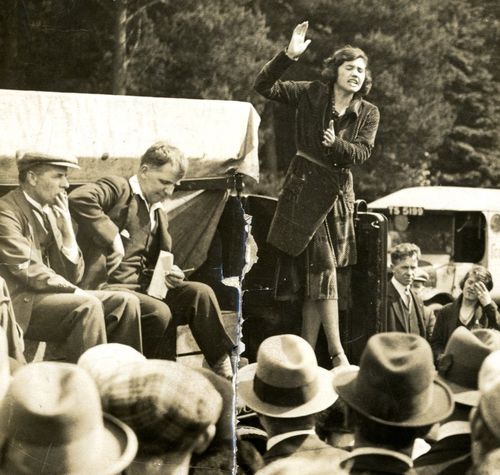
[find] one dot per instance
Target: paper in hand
(157, 287)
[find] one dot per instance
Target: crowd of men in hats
(107, 400)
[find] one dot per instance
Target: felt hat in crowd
(489, 388)
(167, 404)
(28, 159)
(489, 373)
(286, 380)
(51, 421)
(105, 360)
(421, 275)
(395, 384)
(461, 361)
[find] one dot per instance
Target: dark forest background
(436, 68)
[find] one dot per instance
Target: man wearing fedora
(286, 388)
(42, 266)
(459, 368)
(57, 427)
(405, 310)
(395, 398)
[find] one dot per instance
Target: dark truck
(216, 228)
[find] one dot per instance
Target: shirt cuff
(71, 253)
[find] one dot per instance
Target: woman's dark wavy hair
(347, 53)
(479, 273)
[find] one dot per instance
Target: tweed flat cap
(28, 159)
(167, 404)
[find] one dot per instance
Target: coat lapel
(394, 301)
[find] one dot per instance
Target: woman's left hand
(329, 135)
(483, 294)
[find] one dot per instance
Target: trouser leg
(195, 304)
(157, 339)
(122, 315)
(74, 322)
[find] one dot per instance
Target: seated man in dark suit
(395, 398)
(286, 388)
(405, 310)
(122, 229)
(42, 266)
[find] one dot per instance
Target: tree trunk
(120, 48)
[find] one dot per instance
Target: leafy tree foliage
(469, 154)
(435, 66)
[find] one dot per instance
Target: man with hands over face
(122, 229)
(42, 266)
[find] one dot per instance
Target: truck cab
(455, 228)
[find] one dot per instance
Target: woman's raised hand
(298, 43)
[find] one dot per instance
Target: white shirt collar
(400, 288)
(35, 204)
(137, 190)
(272, 441)
(453, 428)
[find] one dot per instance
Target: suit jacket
(395, 321)
(448, 319)
(306, 445)
(21, 260)
(450, 455)
(101, 211)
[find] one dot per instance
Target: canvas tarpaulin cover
(108, 134)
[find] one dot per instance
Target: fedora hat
(489, 405)
(52, 415)
(489, 373)
(461, 361)
(28, 159)
(421, 275)
(395, 383)
(286, 380)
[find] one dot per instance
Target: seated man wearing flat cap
(42, 266)
(287, 388)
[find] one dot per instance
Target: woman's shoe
(340, 359)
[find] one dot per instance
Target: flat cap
(26, 160)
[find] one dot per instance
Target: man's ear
(476, 424)
(204, 439)
(31, 178)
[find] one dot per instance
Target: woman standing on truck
(473, 309)
(313, 221)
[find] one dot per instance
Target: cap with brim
(440, 407)
(320, 398)
(26, 160)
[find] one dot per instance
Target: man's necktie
(408, 297)
(44, 219)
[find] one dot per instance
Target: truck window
(469, 236)
(433, 233)
(461, 235)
